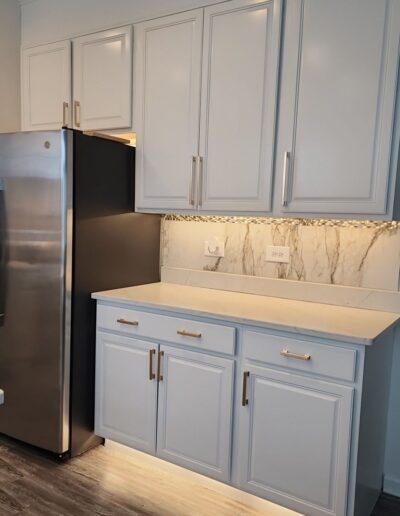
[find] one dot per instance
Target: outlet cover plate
(277, 253)
(214, 247)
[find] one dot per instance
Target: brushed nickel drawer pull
(152, 375)
(160, 376)
(245, 400)
(185, 333)
(288, 354)
(129, 323)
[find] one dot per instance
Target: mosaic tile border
(378, 224)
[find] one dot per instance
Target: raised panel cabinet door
(167, 69)
(126, 391)
(239, 95)
(195, 411)
(102, 86)
(46, 87)
(337, 105)
(295, 440)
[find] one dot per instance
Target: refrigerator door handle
(2, 253)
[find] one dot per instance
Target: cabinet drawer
(301, 355)
(195, 334)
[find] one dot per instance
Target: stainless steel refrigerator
(67, 228)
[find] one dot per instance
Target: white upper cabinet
(228, 164)
(337, 105)
(46, 86)
(102, 77)
(239, 85)
(167, 69)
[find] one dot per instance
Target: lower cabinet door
(294, 441)
(195, 411)
(126, 391)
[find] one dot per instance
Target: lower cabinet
(126, 392)
(301, 414)
(294, 442)
(195, 411)
(190, 393)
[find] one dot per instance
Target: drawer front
(301, 355)
(195, 334)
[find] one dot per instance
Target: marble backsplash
(361, 255)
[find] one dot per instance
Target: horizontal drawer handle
(185, 333)
(129, 323)
(288, 354)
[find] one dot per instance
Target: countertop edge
(338, 337)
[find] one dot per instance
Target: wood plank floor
(116, 481)
(387, 506)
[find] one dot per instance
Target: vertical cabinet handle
(286, 162)
(152, 375)
(193, 181)
(245, 400)
(65, 114)
(77, 113)
(160, 376)
(200, 187)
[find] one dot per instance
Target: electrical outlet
(276, 253)
(214, 247)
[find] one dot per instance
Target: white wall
(10, 34)
(45, 21)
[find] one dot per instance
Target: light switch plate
(276, 253)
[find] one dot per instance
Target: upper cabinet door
(239, 85)
(46, 86)
(167, 68)
(337, 104)
(103, 80)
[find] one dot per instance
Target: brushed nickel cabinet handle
(152, 375)
(286, 162)
(185, 333)
(288, 354)
(129, 323)
(192, 182)
(200, 187)
(77, 109)
(160, 376)
(245, 400)
(65, 114)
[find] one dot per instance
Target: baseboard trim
(391, 485)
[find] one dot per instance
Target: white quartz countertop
(341, 323)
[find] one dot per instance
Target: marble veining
(359, 256)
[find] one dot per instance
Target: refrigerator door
(34, 373)
(3, 285)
